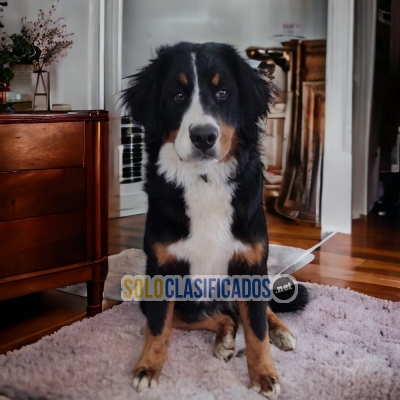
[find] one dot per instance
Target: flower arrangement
(49, 36)
(7, 58)
(40, 42)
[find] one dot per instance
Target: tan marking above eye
(183, 78)
(216, 79)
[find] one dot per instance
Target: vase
(41, 97)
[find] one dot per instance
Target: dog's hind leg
(157, 334)
(221, 324)
(279, 333)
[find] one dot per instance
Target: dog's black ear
(162, 49)
(140, 100)
(256, 96)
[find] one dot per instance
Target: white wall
(74, 79)
(336, 203)
(147, 24)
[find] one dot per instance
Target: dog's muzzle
(203, 137)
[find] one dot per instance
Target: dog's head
(203, 98)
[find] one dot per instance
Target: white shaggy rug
(281, 260)
(348, 347)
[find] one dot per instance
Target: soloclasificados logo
(208, 288)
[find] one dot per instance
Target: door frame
(336, 202)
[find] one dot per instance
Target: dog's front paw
(266, 385)
(284, 340)
(224, 347)
(144, 378)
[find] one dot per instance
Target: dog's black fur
(150, 99)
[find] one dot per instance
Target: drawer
(41, 146)
(25, 194)
(36, 244)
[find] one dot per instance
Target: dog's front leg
(263, 375)
(157, 334)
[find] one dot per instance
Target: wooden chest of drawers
(53, 202)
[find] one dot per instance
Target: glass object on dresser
(41, 97)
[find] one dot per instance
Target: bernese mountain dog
(199, 105)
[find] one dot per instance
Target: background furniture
(53, 202)
(295, 126)
(300, 193)
(276, 127)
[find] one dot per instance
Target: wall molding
(364, 62)
(337, 165)
(112, 89)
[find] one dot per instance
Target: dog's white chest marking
(210, 244)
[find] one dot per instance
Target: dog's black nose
(203, 136)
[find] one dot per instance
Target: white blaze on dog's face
(206, 95)
(198, 134)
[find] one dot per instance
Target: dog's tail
(284, 289)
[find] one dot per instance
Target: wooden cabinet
(53, 202)
(294, 140)
(300, 191)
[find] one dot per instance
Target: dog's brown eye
(179, 97)
(222, 94)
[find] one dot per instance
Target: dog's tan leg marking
(163, 255)
(154, 355)
(253, 255)
(279, 333)
(263, 376)
(222, 324)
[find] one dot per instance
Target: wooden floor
(368, 260)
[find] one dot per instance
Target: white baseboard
(133, 200)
